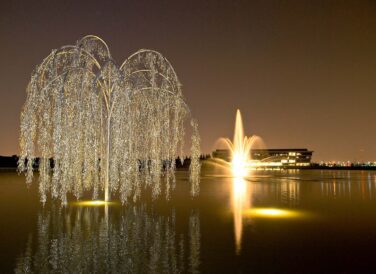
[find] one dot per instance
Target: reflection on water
(277, 195)
(289, 192)
(133, 240)
(286, 192)
(194, 244)
(270, 222)
(341, 186)
(241, 200)
(243, 192)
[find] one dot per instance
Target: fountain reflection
(241, 201)
(279, 200)
(131, 240)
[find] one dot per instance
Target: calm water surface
(272, 221)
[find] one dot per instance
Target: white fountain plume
(240, 150)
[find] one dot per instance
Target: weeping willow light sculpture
(106, 127)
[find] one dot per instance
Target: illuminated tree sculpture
(99, 126)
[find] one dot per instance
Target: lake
(281, 221)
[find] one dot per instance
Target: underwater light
(93, 203)
(271, 213)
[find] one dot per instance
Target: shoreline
(14, 169)
(9, 164)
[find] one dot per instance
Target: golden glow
(271, 213)
(239, 165)
(240, 148)
(240, 202)
(93, 203)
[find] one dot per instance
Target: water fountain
(242, 191)
(240, 166)
(99, 126)
(240, 148)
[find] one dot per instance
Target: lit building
(273, 157)
(223, 154)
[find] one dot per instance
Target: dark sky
(303, 73)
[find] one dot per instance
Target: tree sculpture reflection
(110, 127)
(134, 240)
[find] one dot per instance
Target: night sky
(303, 73)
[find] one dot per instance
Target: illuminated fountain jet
(240, 148)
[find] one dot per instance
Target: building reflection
(290, 193)
(134, 239)
(349, 185)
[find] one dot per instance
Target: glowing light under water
(93, 203)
